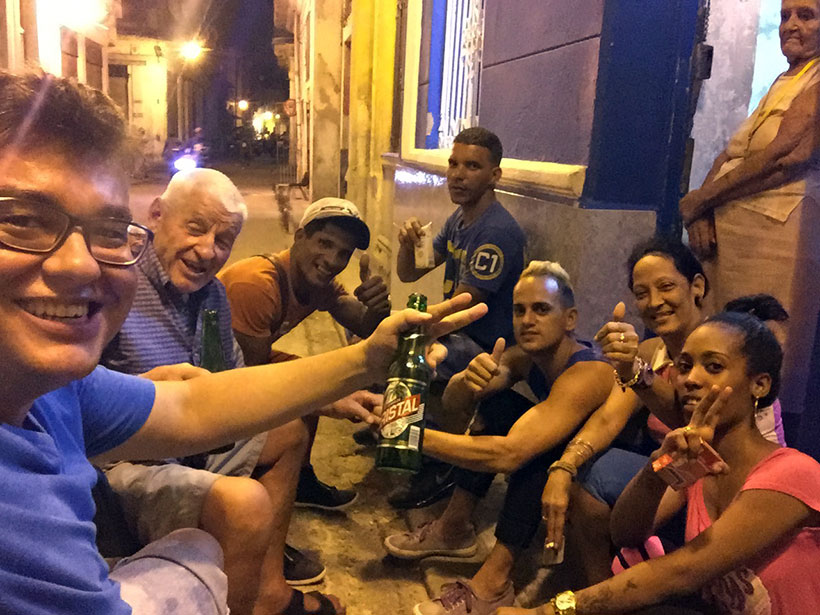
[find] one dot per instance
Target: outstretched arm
(206, 412)
(575, 394)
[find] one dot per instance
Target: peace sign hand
(619, 343)
(689, 441)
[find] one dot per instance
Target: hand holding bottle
(440, 319)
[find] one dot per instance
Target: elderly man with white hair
(243, 497)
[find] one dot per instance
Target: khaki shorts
(160, 497)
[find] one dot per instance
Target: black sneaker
(301, 569)
(435, 482)
(364, 437)
(313, 493)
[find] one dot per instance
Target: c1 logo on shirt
(487, 262)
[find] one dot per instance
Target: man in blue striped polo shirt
(241, 496)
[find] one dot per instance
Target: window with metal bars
(453, 37)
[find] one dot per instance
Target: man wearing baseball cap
(272, 293)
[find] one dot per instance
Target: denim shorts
(609, 475)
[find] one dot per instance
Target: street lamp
(243, 105)
(191, 50)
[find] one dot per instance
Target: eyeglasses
(39, 228)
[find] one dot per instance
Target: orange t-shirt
(255, 295)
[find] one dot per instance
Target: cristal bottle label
(403, 406)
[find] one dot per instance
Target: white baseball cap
(332, 207)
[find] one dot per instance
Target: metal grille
(462, 67)
(285, 174)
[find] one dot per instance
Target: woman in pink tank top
(753, 518)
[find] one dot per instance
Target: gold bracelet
(582, 444)
(566, 466)
(582, 451)
(634, 380)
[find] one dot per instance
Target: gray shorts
(180, 574)
(160, 497)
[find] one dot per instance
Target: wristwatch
(564, 603)
(645, 377)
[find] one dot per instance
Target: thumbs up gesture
(372, 292)
(364, 267)
(484, 368)
(619, 343)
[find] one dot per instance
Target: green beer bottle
(401, 431)
(211, 357)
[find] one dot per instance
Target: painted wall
(423, 119)
(148, 76)
(541, 57)
(373, 46)
(724, 99)
(769, 60)
(326, 99)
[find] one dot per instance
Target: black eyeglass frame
(72, 223)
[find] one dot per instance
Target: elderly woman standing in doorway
(756, 219)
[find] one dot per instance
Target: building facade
(67, 39)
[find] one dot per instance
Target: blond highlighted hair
(554, 271)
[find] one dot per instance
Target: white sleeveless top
(757, 132)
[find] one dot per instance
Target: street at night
(409, 307)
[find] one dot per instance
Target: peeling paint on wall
(724, 100)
